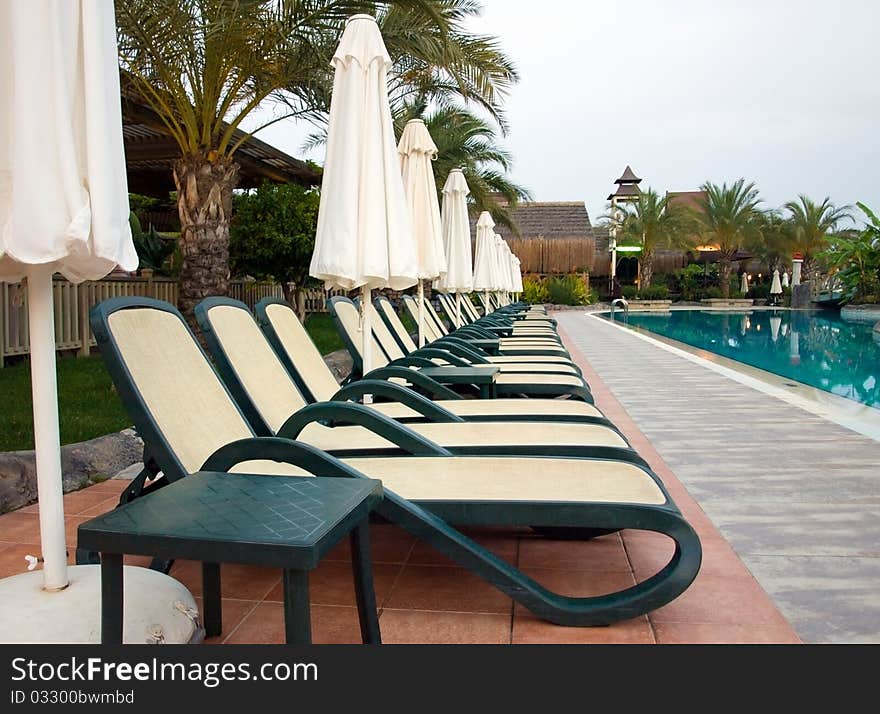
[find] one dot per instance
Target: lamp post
(627, 192)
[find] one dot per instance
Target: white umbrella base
(157, 609)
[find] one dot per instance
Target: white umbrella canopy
(744, 284)
(502, 269)
(459, 278)
(364, 236)
(775, 324)
(515, 275)
(63, 208)
(417, 152)
(484, 260)
(776, 284)
(785, 281)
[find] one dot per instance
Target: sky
(785, 94)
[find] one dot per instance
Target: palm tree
(652, 222)
(205, 65)
(813, 225)
(728, 218)
(777, 240)
(469, 142)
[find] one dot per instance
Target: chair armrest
(271, 448)
(445, 354)
(351, 413)
(433, 387)
(397, 393)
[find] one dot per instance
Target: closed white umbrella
(417, 152)
(515, 275)
(503, 255)
(776, 284)
(484, 260)
(459, 278)
(785, 282)
(63, 208)
(744, 284)
(364, 237)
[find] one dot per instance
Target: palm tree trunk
(647, 261)
(724, 276)
(204, 202)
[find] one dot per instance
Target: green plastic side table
(286, 522)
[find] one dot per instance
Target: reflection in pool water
(815, 348)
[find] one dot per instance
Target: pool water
(814, 348)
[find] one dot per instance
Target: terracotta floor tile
(503, 543)
(332, 583)
(714, 599)
(578, 583)
(682, 633)
(439, 587)
(265, 625)
(448, 628)
(388, 544)
(234, 611)
(111, 485)
(17, 527)
(648, 557)
(529, 630)
(238, 582)
(605, 554)
(101, 508)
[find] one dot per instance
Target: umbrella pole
(421, 314)
(47, 439)
(485, 302)
(458, 310)
(366, 338)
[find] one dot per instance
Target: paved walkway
(797, 496)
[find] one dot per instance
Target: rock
(82, 465)
(340, 363)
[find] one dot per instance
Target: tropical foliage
(204, 66)
(856, 256)
(469, 142)
(273, 236)
(729, 219)
(812, 225)
(653, 223)
(557, 290)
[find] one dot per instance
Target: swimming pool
(814, 348)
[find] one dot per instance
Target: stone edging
(861, 313)
(82, 465)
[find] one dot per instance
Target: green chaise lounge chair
(548, 345)
(273, 403)
(345, 315)
(467, 351)
(316, 381)
(190, 422)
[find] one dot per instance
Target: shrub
(567, 290)
(759, 291)
(654, 292)
(711, 293)
(535, 291)
(630, 292)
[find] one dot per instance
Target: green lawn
(323, 332)
(87, 399)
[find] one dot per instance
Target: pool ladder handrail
(625, 304)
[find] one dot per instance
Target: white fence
(73, 302)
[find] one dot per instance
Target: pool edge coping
(830, 412)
